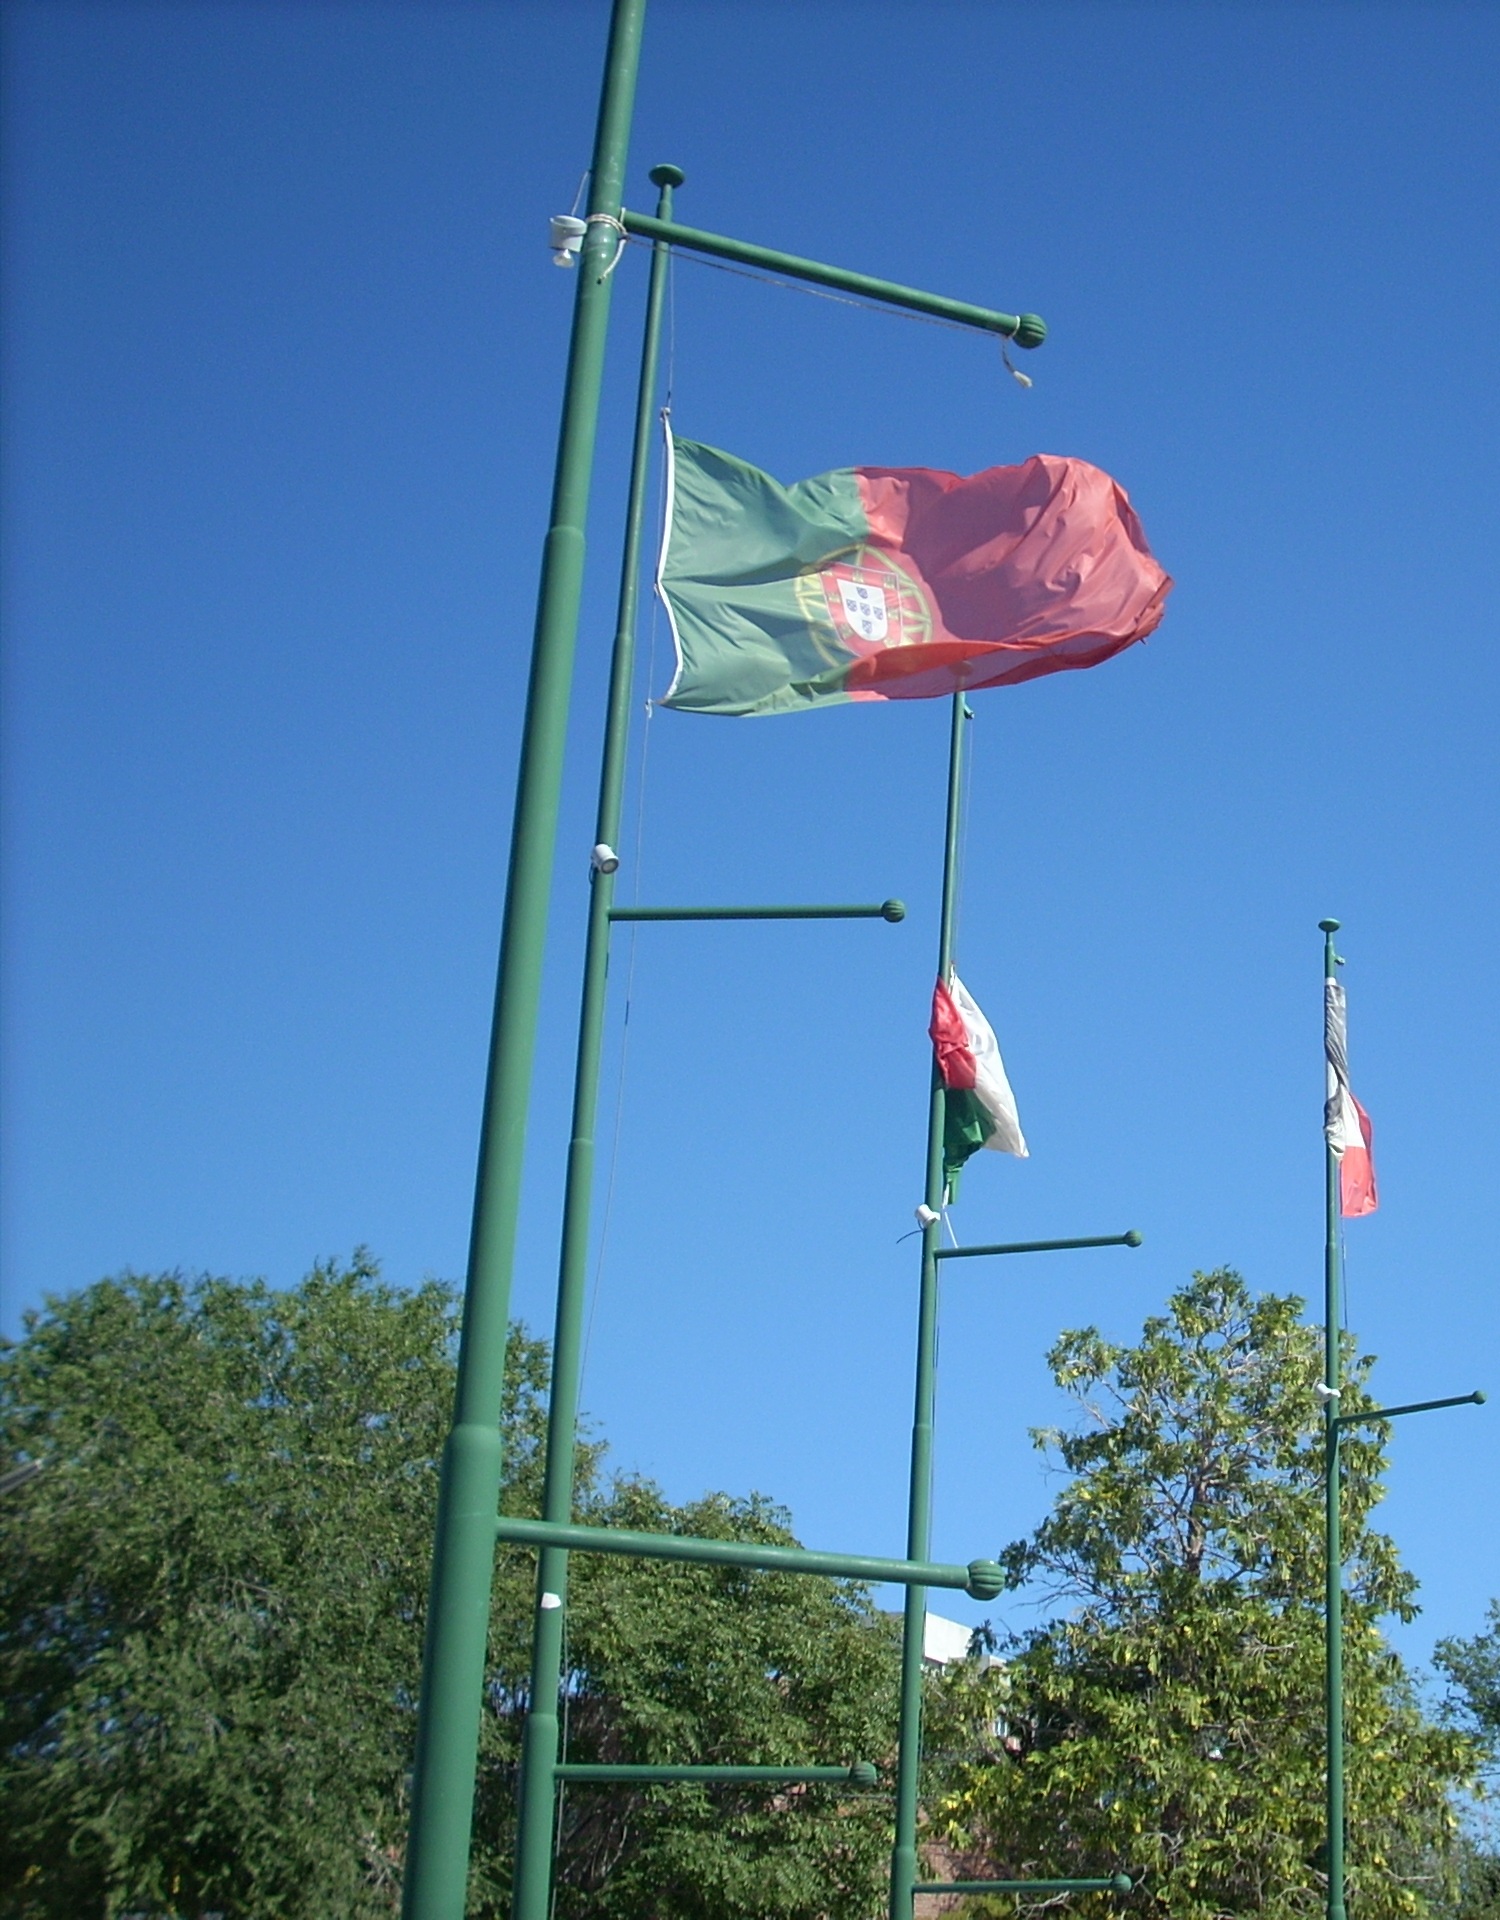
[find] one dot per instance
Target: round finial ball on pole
(862, 1774)
(1031, 330)
(1134, 1237)
(667, 176)
(986, 1580)
(1328, 926)
(894, 911)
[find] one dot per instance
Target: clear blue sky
(284, 359)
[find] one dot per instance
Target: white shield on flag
(865, 608)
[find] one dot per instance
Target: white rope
(609, 220)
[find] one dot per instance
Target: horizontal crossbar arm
(1131, 1239)
(585, 1773)
(981, 1579)
(891, 910)
(1116, 1883)
(1412, 1406)
(1026, 329)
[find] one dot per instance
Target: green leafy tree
(1472, 1669)
(1170, 1725)
(211, 1609)
(676, 1663)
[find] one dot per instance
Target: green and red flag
(979, 1109)
(893, 583)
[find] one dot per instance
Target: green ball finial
(1031, 330)
(893, 910)
(1328, 926)
(986, 1580)
(1122, 1883)
(862, 1774)
(1134, 1238)
(667, 176)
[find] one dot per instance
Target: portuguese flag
(893, 583)
(980, 1109)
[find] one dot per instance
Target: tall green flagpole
(534, 1844)
(919, 1507)
(437, 1856)
(1334, 1553)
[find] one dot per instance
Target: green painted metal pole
(1116, 1883)
(981, 1579)
(453, 1666)
(1133, 1238)
(1334, 1552)
(861, 1774)
(1026, 329)
(1412, 1406)
(538, 1789)
(890, 910)
(919, 1505)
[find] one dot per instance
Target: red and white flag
(1351, 1138)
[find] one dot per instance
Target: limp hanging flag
(980, 1110)
(893, 583)
(1351, 1138)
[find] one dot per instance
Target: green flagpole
(458, 1610)
(539, 1753)
(919, 1508)
(1334, 1553)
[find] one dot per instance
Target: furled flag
(1351, 1138)
(893, 583)
(980, 1110)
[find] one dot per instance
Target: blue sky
(284, 357)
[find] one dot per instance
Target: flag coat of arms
(980, 1109)
(1351, 1138)
(893, 583)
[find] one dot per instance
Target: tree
(1473, 1671)
(211, 1607)
(1472, 1668)
(683, 1663)
(1171, 1725)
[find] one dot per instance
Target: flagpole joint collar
(666, 175)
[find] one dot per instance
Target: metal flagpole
(464, 1549)
(919, 1509)
(538, 1790)
(1334, 1554)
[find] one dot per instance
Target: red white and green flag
(893, 583)
(1351, 1138)
(980, 1109)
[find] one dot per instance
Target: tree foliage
(1472, 1668)
(211, 1608)
(1170, 1724)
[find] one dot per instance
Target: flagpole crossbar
(590, 1774)
(981, 1579)
(1133, 1238)
(1412, 1406)
(890, 910)
(1116, 1883)
(1026, 329)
